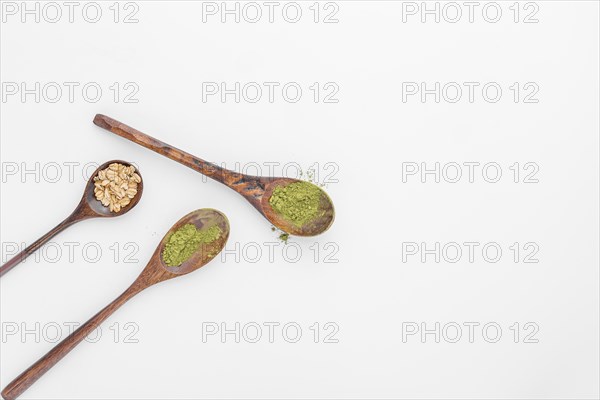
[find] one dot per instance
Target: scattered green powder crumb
(297, 202)
(284, 237)
(310, 174)
(185, 241)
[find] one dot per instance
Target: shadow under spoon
(256, 189)
(156, 271)
(88, 207)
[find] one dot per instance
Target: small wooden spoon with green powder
(294, 206)
(204, 231)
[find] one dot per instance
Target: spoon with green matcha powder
(292, 205)
(191, 243)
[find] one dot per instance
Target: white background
(371, 294)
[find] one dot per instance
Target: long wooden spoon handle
(204, 167)
(10, 264)
(33, 373)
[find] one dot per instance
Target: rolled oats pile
(116, 186)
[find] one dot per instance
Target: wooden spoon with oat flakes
(102, 198)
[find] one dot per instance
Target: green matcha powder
(185, 241)
(297, 202)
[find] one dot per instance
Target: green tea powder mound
(185, 241)
(297, 202)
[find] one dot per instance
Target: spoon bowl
(201, 219)
(92, 206)
(314, 227)
(155, 271)
(88, 207)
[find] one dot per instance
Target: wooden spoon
(89, 207)
(256, 189)
(156, 271)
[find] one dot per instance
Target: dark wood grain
(256, 189)
(87, 208)
(154, 272)
(251, 187)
